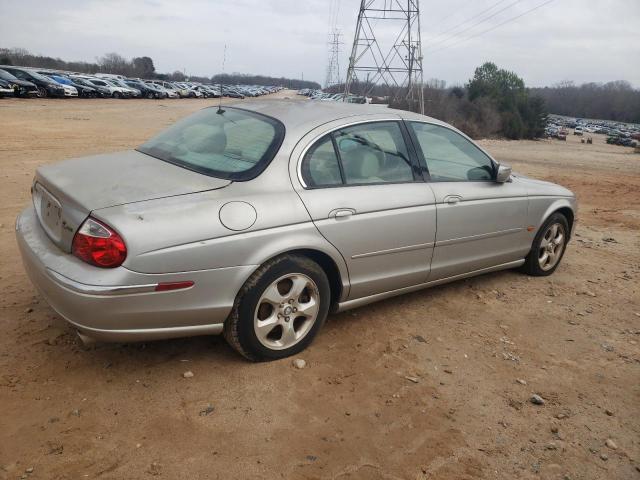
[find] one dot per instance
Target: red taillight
(99, 245)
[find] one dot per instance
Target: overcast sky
(580, 40)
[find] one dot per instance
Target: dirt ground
(431, 385)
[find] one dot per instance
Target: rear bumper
(119, 304)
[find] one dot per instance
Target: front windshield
(235, 144)
(37, 76)
(7, 75)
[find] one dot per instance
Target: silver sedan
(257, 221)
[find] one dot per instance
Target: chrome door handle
(341, 213)
(452, 199)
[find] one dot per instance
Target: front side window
(449, 156)
(368, 153)
(234, 144)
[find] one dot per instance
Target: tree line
(241, 78)
(617, 100)
(109, 63)
(138, 67)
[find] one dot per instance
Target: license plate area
(49, 212)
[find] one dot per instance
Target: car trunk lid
(64, 194)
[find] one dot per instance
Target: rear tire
(42, 92)
(116, 95)
(280, 309)
(548, 247)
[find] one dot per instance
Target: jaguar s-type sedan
(257, 221)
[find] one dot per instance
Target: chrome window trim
(376, 120)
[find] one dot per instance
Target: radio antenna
(224, 59)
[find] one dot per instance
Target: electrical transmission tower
(333, 67)
(397, 64)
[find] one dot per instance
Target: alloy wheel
(286, 311)
(551, 246)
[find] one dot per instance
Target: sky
(578, 40)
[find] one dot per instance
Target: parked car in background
(6, 88)
(231, 92)
(83, 90)
(135, 92)
(21, 88)
(100, 91)
(256, 222)
(69, 90)
(115, 91)
(146, 90)
(166, 93)
(46, 87)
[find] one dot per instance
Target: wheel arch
(330, 269)
(569, 215)
(335, 271)
(543, 210)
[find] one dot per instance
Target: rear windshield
(234, 144)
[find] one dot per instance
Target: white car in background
(121, 83)
(171, 93)
(70, 91)
(116, 92)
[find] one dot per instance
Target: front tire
(42, 92)
(280, 309)
(548, 247)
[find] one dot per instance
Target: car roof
(312, 113)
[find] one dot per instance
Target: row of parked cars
(627, 135)
(25, 82)
(332, 97)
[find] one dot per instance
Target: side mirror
(504, 173)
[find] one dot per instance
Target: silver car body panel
(107, 306)
(177, 224)
(84, 184)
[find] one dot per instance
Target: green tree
(522, 116)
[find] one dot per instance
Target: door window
(369, 153)
(449, 156)
(374, 153)
(320, 166)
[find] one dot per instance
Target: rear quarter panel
(185, 233)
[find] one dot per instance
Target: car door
(363, 189)
(481, 223)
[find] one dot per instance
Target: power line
(446, 17)
(456, 34)
(473, 17)
(446, 47)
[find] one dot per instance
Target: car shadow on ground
(215, 349)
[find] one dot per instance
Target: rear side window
(235, 144)
(370, 153)
(320, 165)
(374, 153)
